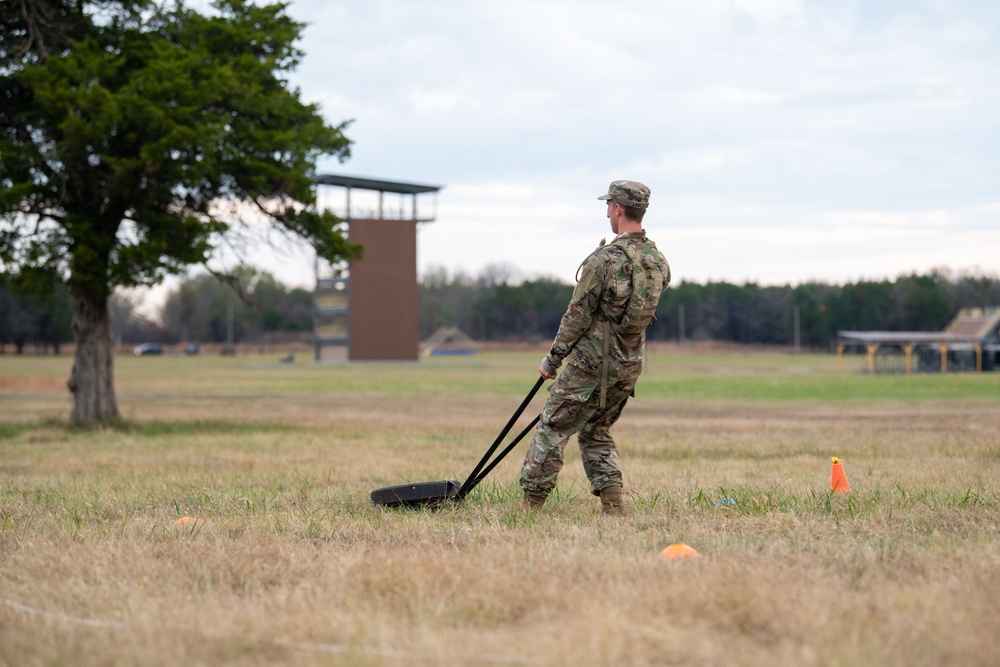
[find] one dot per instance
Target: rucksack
(650, 275)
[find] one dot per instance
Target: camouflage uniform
(604, 363)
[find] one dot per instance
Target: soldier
(602, 335)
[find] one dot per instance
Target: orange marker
(679, 551)
(838, 478)
(185, 520)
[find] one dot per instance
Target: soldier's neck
(628, 227)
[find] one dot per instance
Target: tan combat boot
(612, 501)
(534, 501)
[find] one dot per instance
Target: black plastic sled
(433, 494)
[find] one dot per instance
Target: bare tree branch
(234, 284)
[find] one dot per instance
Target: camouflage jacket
(602, 293)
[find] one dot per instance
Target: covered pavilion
(975, 329)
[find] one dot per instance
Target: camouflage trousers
(572, 407)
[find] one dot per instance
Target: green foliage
(488, 308)
(748, 313)
(764, 315)
(198, 310)
(124, 125)
(34, 310)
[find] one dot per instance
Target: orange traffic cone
(679, 551)
(838, 479)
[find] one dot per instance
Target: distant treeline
(488, 308)
(201, 309)
(494, 307)
(35, 312)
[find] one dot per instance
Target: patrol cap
(628, 193)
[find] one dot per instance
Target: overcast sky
(783, 140)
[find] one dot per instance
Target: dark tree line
(201, 309)
(487, 308)
(34, 314)
(493, 306)
(204, 310)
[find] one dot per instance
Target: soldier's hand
(545, 374)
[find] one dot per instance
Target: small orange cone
(679, 551)
(838, 479)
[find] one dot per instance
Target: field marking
(62, 617)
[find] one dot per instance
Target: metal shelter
(381, 187)
(973, 333)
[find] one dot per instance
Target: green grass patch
(203, 427)
(151, 429)
(9, 430)
(831, 387)
(729, 376)
(879, 502)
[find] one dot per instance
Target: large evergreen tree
(123, 125)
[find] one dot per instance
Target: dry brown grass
(294, 565)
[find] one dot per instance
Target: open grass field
(290, 563)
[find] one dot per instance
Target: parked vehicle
(147, 349)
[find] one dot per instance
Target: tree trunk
(92, 381)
